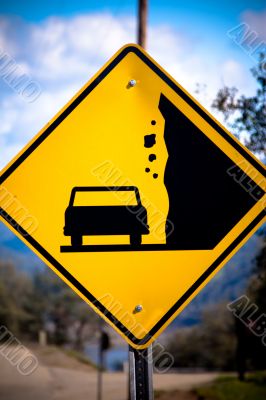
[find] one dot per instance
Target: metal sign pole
(140, 374)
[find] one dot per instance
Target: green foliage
(57, 303)
(254, 348)
(27, 305)
(254, 388)
(15, 289)
(258, 285)
(248, 113)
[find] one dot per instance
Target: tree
(259, 294)
(248, 113)
(209, 345)
(29, 304)
(15, 290)
(54, 302)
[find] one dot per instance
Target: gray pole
(140, 374)
(142, 23)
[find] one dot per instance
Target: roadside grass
(230, 388)
(174, 395)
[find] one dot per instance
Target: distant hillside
(13, 249)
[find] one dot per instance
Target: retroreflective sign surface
(134, 195)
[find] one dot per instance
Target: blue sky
(60, 44)
(190, 10)
(201, 19)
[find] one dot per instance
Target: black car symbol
(84, 217)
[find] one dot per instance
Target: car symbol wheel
(76, 240)
(135, 239)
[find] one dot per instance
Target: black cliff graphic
(205, 202)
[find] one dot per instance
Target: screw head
(132, 82)
(138, 308)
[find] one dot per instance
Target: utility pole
(142, 23)
(104, 345)
(100, 363)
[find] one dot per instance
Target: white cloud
(256, 22)
(233, 73)
(76, 45)
(5, 42)
(8, 115)
(61, 54)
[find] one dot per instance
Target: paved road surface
(59, 383)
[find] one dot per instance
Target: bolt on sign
(135, 195)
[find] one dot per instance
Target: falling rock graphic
(205, 202)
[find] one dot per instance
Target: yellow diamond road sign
(134, 195)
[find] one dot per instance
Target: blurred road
(79, 383)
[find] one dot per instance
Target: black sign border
(136, 341)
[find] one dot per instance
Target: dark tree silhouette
(248, 113)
